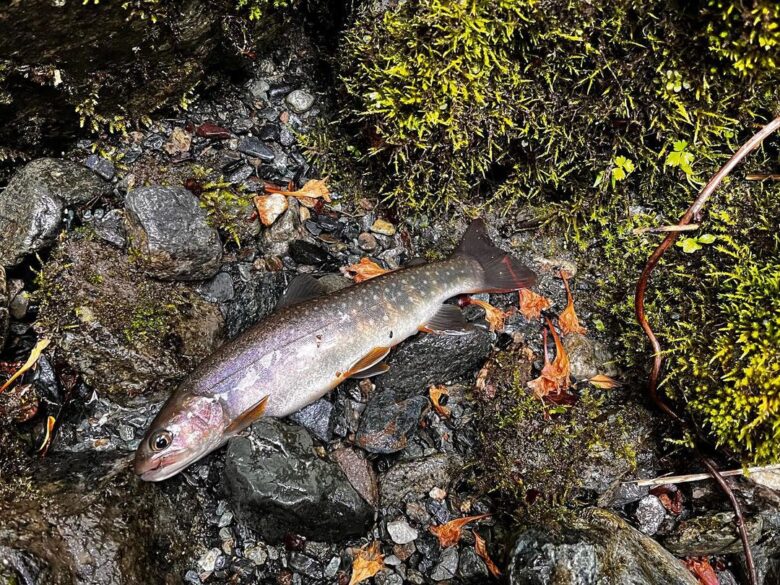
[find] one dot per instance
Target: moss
(535, 456)
(227, 206)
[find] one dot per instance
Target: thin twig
(762, 177)
(691, 227)
(694, 214)
(689, 477)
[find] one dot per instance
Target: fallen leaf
(313, 189)
(670, 496)
(437, 393)
(532, 304)
(270, 207)
(179, 142)
(366, 269)
(703, 570)
(481, 548)
(50, 422)
(555, 375)
(604, 382)
(493, 315)
(367, 563)
(568, 318)
(34, 355)
(449, 534)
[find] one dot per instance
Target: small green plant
(255, 9)
(681, 158)
(225, 205)
(693, 244)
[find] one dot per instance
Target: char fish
(313, 342)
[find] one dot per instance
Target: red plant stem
(694, 213)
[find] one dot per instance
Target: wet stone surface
(277, 484)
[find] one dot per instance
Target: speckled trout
(313, 342)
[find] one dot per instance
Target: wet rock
(359, 472)
(598, 548)
(305, 565)
(386, 425)
(277, 238)
(315, 418)
(89, 521)
(432, 359)
(100, 166)
(471, 567)
(413, 479)
(304, 252)
(588, 357)
(219, 289)
(299, 100)
(3, 308)
(111, 228)
(18, 305)
(400, 532)
(367, 242)
(170, 234)
(277, 484)
(447, 567)
(256, 295)
(31, 205)
(711, 535)
(650, 514)
(123, 332)
(253, 146)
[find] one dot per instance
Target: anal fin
(368, 362)
(247, 417)
(450, 320)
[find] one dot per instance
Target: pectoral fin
(450, 320)
(371, 371)
(368, 363)
(247, 417)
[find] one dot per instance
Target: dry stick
(689, 477)
(694, 213)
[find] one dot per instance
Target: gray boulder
(411, 480)
(278, 485)
(598, 548)
(170, 234)
(31, 205)
(714, 534)
(125, 333)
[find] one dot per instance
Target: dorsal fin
(247, 417)
(301, 288)
(416, 261)
(449, 319)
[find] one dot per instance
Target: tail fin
(502, 273)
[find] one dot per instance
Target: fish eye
(160, 440)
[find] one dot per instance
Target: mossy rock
(125, 333)
(539, 459)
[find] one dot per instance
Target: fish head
(188, 427)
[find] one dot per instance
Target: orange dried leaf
(532, 304)
(436, 393)
(366, 269)
(50, 422)
(270, 207)
(481, 548)
(604, 382)
(313, 189)
(368, 562)
(703, 570)
(555, 376)
(449, 534)
(34, 355)
(493, 315)
(568, 318)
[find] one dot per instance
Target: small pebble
(367, 242)
(101, 166)
(400, 532)
(299, 100)
(256, 554)
(437, 493)
(208, 560)
(383, 227)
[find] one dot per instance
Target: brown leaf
(481, 548)
(568, 318)
(313, 189)
(449, 534)
(493, 315)
(270, 207)
(368, 562)
(34, 355)
(604, 382)
(50, 422)
(366, 269)
(436, 393)
(532, 304)
(670, 496)
(555, 376)
(703, 570)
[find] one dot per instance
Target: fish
(312, 342)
